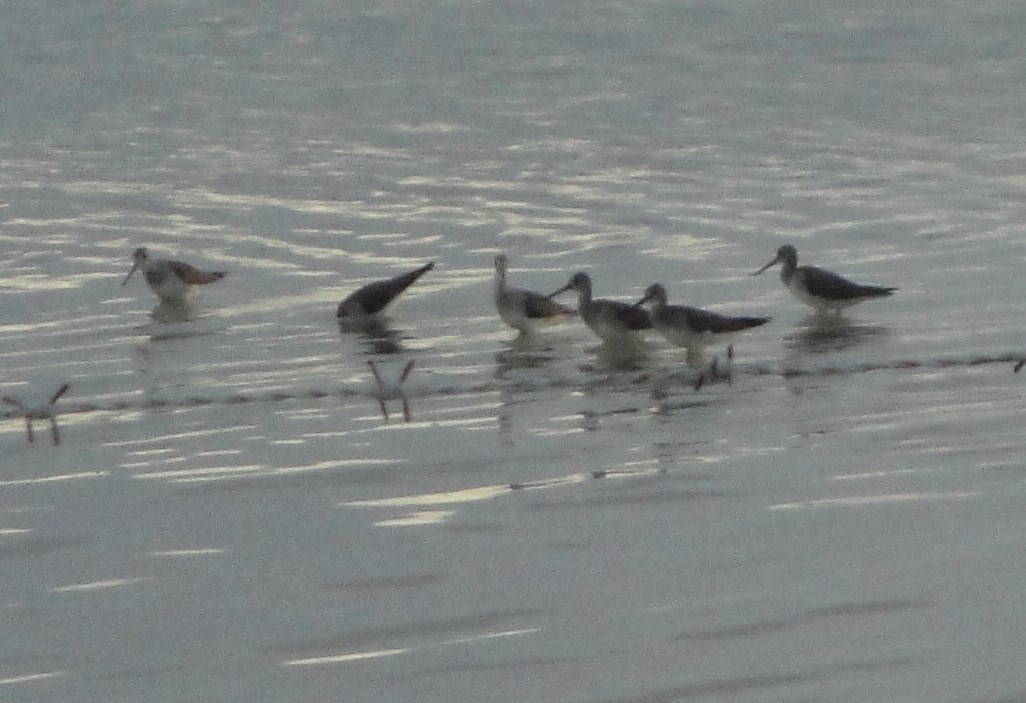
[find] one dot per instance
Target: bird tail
(406, 280)
(736, 324)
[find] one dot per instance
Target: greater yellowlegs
(612, 320)
(375, 297)
(693, 328)
(392, 391)
(46, 411)
(523, 309)
(821, 289)
(170, 280)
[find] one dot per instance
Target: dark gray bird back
(831, 286)
(635, 318)
(701, 321)
(375, 297)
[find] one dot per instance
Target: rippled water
(229, 517)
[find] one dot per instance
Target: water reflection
(626, 355)
(174, 310)
(389, 388)
(375, 331)
(505, 415)
(172, 331)
(678, 390)
(507, 360)
(820, 334)
(530, 341)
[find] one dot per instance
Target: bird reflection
(505, 414)
(375, 331)
(174, 310)
(529, 341)
(506, 360)
(589, 420)
(392, 390)
(626, 355)
(512, 386)
(821, 334)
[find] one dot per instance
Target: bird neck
(788, 269)
(583, 296)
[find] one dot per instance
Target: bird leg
(377, 377)
(60, 391)
(703, 376)
(381, 389)
(387, 392)
(406, 370)
(47, 412)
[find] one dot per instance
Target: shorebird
(693, 328)
(375, 297)
(523, 309)
(47, 411)
(392, 391)
(170, 280)
(823, 290)
(611, 320)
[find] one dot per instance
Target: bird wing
(374, 297)
(701, 321)
(192, 275)
(538, 306)
(633, 316)
(827, 284)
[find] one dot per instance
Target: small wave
(591, 381)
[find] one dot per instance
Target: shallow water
(229, 517)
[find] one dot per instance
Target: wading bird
(823, 290)
(375, 297)
(170, 280)
(693, 328)
(521, 309)
(612, 320)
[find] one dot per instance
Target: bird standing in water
(170, 280)
(693, 328)
(823, 290)
(523, 309)
(374, 297)
(612, 320)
